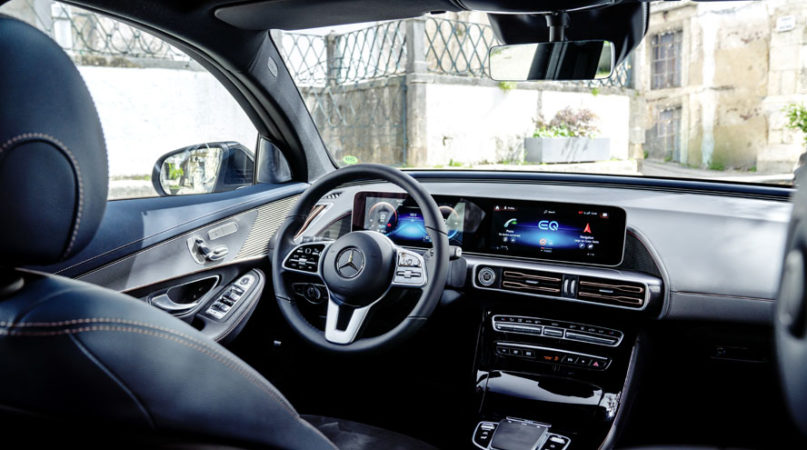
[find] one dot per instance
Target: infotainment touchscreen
(557, 231)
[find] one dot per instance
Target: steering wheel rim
(790, 317)
(435, 267)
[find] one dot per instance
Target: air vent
(612, 292)
(333, 195)
(531, 281)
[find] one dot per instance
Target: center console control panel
(518, 434)
(550, 355)
(536, 326)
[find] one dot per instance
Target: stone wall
(739, 71)
(364, 120)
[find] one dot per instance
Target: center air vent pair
(607, 291)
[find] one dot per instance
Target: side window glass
(171, 128)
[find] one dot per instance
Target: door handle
(164, 302)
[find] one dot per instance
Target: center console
(554, 383)
(560, 286)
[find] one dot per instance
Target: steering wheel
(360, 268)
(790, 319)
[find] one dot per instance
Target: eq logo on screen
(547, 225)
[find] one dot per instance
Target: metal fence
(458, 48)
(354, 87)
(92, 39)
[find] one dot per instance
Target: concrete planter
(566, 149)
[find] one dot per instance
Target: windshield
(714, 91)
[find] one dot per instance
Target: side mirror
(203, 169)
(564, 60)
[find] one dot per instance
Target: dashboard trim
(739, 189)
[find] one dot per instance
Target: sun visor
(301, 14)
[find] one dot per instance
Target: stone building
(715, 76)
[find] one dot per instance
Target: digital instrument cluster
(540, 230)
(401, 220)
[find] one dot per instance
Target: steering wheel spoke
(410, 269)
(343, 322)
(306, 258)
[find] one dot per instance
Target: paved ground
(661, 169)
(650, 169)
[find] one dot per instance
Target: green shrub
(716, 164)
(797, 118)
(567, 123)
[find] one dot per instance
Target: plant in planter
(570, 136)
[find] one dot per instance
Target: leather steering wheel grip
(437, 265)
(790, 317)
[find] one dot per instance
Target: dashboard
(568, 232)
(717, 254)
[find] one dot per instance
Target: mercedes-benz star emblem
(350, 262)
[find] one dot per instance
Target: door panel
(245, 236)
(197, 293)
(131, 226)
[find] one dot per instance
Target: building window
(666, 68)
(664, 140)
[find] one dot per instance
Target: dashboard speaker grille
(612, 292)
(532, 281)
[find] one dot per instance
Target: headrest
(53, 167)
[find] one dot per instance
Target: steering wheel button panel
(409, 269)
(305, 258)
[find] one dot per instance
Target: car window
(714, 91)
(152, 100)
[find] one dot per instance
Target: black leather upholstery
(53, 168)
(347, 434)
(73, 349)
(81, 354)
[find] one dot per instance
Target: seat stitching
(96, 320)
(52, 140)
(89, 320)
(209, 352)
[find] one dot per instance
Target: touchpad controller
(517, 435)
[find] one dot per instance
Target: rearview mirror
(564, 60)
(203, 169)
